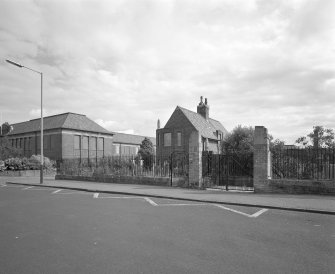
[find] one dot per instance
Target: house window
(77, 142)
(29, 143)
(46, 141)
(179, 139)
(116, 149)
(85, 142)
(93, 143)
(167, 139)
(101, 143)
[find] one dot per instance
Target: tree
(319, 137)
(6, 149)
(5, 128)
(146, 152)
(240, 139)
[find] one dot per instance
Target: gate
(234, 171)
(178, 166)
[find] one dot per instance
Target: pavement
(322, 204)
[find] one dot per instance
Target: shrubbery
(33, 163)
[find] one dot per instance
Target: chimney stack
(203, 108)
(158, 124)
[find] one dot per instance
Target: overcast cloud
(125, 64)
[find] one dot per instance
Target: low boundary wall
(139, 180)
(26, 173)
(295, 186)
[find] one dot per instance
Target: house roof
(207, 128)
(123, 138)
(60, 121)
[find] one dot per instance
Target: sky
(125, 64)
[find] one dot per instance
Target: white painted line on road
(119, 197)
(56, 191)
(233, 210)
(29, 187)
(3, 185)
(96, 195)
(75, 192)
(182, 204)
(255, 215)
(150, 201)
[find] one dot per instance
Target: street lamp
(21, 66)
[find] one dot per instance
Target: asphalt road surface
(47, 230)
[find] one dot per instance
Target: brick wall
(177, 123)
(195, 160)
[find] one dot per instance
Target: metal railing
(123, 166)
(303, 163)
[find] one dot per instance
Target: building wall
(30, 143)
(85, 145)
(176, 124)
(179, 123)
(60, 144)
(125, 149)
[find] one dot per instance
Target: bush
(2, 165)
(33, 163)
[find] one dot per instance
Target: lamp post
(41, 74)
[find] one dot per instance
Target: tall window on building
(167, 139)
(85, 143)
(179, 139)
(76, 147)
(46, 142)
(93, 143)
(158, 135)
(116, 148)
(30, 143)
(100, 147)
(77, 142)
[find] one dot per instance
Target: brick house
(176, 135)
(128, 144)
(65, 136)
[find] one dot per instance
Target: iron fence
(303, 163)
(124, 166)
(233, 169)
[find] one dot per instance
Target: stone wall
(140, 180)
(290, 186)
(26, 173)
(195, 160)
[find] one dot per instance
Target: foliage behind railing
(117, 166)
(303, 163)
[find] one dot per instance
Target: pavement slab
(324, 204)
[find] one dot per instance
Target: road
(45, 230)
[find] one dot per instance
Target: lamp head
(13, 63)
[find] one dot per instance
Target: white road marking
(3, 185)
(255, 215)
(56, 191)
(96, 195)
(233, 210)
(118, 197)
(150, 201)
(75, 192)
(29, 187)
(182, 204)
